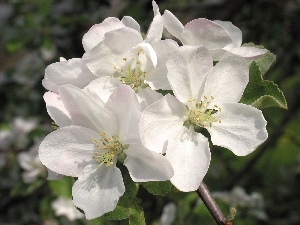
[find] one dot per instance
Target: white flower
(206, 97)
(102, 135)
(117, 53)
(238, 197)
(31, 163)
(222, 38)
(65, 207)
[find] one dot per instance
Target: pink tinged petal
(235, 33)
(68, 150)
(159, 121)
(102, 88)
(188, 152)
(98, 189)
(147, 96)
(242, 128)
(128, 21)
(187, 70)
(96, 33)
(124, 105)
(56, 109)
(72, 72)
(248, 53)
(53, 176)
(122, 40)
(207, 33)
(87, 111)
(155, 30)
(157, 78)
(173, 25)
(144, 165)
(227, 81)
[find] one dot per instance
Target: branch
(211, 205)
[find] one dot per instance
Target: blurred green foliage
(34, 34)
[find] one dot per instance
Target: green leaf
(264, 62)
(137, 216)
(262, 93)
(62, 187)
(158, 187)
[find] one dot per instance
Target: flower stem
(210, 203)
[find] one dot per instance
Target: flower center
(132, 73)
(201, 114)
(110, 149)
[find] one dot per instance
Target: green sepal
(62, 187)
(262, 93)
(158, 187)
(265, 61)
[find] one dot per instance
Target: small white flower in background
(222, 38)
(16, 133)
(6, 139)
(206, 96)
(238, 197)
(65, 207)
(31, 163)
(169, 214)
(102, 135)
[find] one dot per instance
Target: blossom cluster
(109, 108)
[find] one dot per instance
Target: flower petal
(227, 81)
(249, 53)
(147, 96)
(155, 30)
(235, 33)
(128, 21)
(124, 105)
(72, 72)
(101, 61)
(96, 33)
(173, 25)
(86, 111)
(102, 87)
(56, 109)
(242, 128)
(159, 121)
(157, 78)
(188, 152)
(98, 190)
(187, 71)
(122, 40)
(144, 165)
(207, 33)
(68, 150)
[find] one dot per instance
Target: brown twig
(211, 205)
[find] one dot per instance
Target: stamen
(110, 147)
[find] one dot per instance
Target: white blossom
(206, 96)
(222, 38)
(65, 207)
(101, 135)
